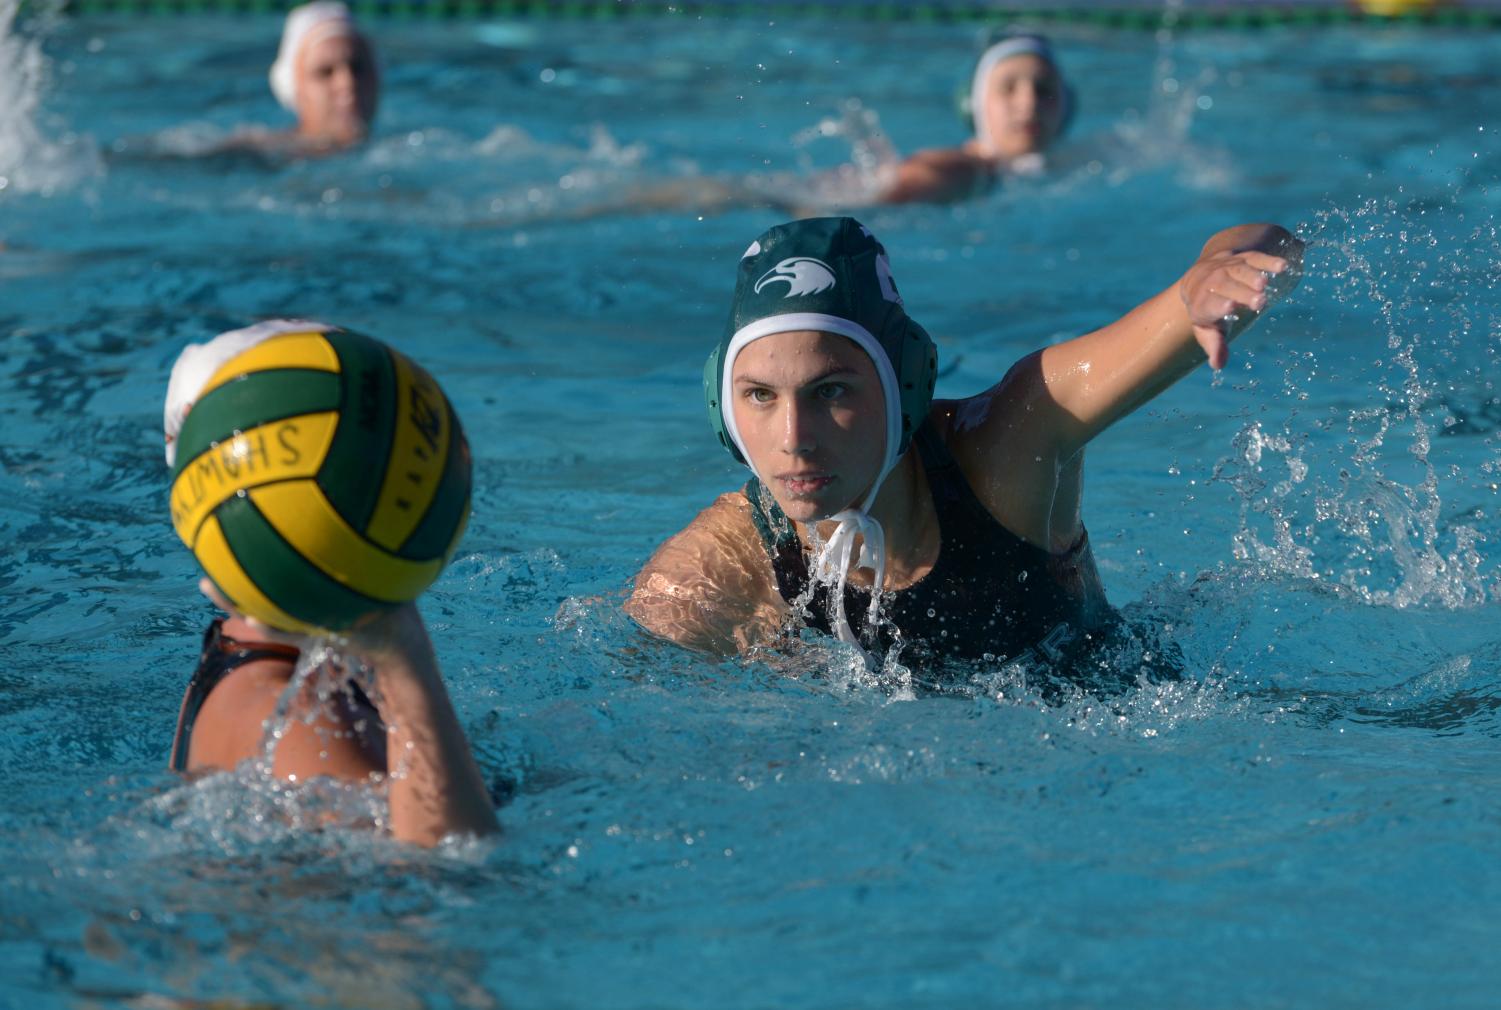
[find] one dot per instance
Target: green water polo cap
(828, 274)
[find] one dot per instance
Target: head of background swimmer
(326, 73)
(1018, 101)
(824, 375)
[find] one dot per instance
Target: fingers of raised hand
(1225, 295)
(1216, 347)
(1216, 299)
(1227, 286)
(1251, 276)
(1263, 261)
(380, 628)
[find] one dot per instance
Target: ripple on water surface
(1278, 792)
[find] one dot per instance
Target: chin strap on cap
(830, 275)
(832, 566)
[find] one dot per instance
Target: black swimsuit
(223, 655)
(990, 595)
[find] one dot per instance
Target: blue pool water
(1312, 818)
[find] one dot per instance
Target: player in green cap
(949, 528)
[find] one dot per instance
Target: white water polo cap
(198, 362)
(830, 275)
(305, 25)
(999, 48)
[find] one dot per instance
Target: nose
(798, 436)
(1024, 99)
(344, 79)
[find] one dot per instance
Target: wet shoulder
(720, 535)
(710, 586)
(1018, 486)
(230, 726)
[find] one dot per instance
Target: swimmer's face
(337, 89)
(812, 418)
(1024, 106)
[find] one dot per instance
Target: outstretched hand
(1231, 279)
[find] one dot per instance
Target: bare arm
(709, 588)
(435, 787)
(1021, 441)
(1063, 396)
(939, 175)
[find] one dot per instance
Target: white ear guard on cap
(198, 362)
(839, 281)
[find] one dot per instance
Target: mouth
(804, 484)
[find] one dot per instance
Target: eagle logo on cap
(804, 276)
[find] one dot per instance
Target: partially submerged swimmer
(326, 75)
(408, 738)
(1018, 104)
(883, 517)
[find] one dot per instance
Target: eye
(831, 390)
(759, 394)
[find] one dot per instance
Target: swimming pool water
(1310, 819)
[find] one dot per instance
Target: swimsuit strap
(955, 502)
(953, 494)
(932, 451)
(220, 656)
(1000, 595)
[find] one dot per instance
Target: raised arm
(707, 589)
(1060, 398)
(434, 786)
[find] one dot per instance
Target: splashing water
(674, 824)
(30, 160)
(1366, 513)
(867, 168)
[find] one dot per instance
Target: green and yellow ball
(320, 477)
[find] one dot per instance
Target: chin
(808, 510)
